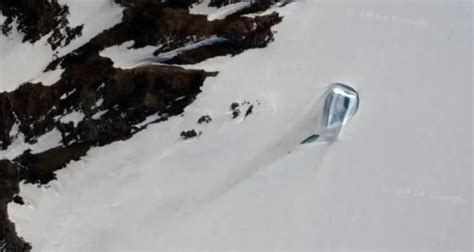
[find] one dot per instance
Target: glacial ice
(339, 104)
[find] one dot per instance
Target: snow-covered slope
(400, 177)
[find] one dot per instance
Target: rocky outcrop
(36, 19)
(9, 241)
(113, 103)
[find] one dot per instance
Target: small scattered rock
(249, 111)
(18, 199)
(204, 119)
(246, 106)
(235, 113)
(187, 134)
(234, 106)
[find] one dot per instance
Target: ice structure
(339, 104)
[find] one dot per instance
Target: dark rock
(249, 111)
(234, 106)
(38, 18)
(9, 186)
(204, 119)
(187, 134)
(235, 113)
(19, 200)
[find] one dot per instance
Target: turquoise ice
(340, 104)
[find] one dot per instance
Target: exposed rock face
(113, 102)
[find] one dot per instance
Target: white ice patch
(45, 142)
(214, 13)
(66, 95)
(99, 114)
(15, 130)
(148, 120)
(75, 117)
(274, 8)
(49, 78)
(191, 46)
(20, 62)
(2, 18)
(125, 57)
(101, 86)
(99, 102)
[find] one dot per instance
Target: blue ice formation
(340, 103)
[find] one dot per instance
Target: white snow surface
(125, 57)
(74, 116)
(214, 13)
(49, 78)
(399, 178)
(47, 141)
(99, 114)
(22, 62)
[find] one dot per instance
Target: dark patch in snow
(187, 134)
(249, 111)
(18, 200)
(237, 108)
(204, 119)
(234, 108)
